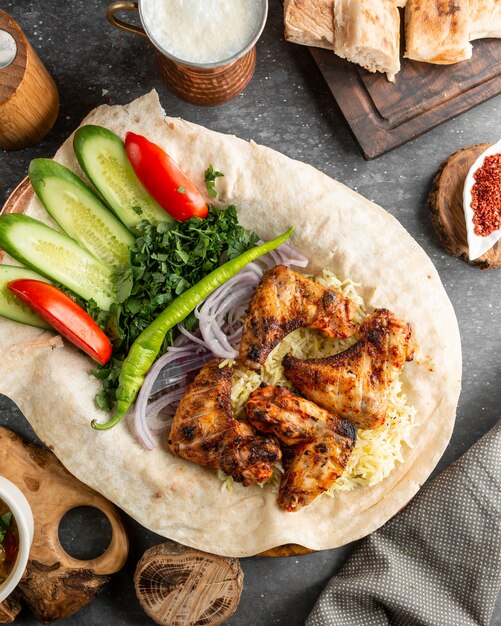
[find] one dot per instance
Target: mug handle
(114, 7)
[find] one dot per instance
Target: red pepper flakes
(486, 196)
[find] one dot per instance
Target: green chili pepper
(147, 346)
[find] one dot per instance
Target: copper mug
(198, 83)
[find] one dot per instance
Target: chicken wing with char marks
(205, 431)
(319, 443)
(356, 383)
(284, 301)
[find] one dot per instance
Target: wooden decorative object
(55, 585)
(29, 101)
(382, 115)
(10, 608)
(446, 207)
(178, 586)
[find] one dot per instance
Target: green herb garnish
(181, 189)
(210, 181)
(5, 522)
(166, 260)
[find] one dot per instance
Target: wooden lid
(12, 75)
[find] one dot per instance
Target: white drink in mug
(202, 31)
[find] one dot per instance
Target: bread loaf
(437, 31)
(309, 22)
(367, 32)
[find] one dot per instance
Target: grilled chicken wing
(204, 430)
(321, 442)
(284, 301)
(356, 383)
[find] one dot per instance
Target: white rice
(377, 450)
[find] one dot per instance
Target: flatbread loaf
(367, 32)
(485, 19)
(337, 229)
(437, 31)
(309, 22)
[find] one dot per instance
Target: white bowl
(477, 245)
(17, 503)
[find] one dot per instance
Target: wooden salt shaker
(29, 101)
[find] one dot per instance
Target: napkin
(437, 563)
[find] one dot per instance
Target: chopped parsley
(5, 522)
(181, 189)
(210, 180)
(166, 260)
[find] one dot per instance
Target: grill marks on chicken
(356, 383)
(316, 432)
(320, 443)
(205, 431)
(285, 301)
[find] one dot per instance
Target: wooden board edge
(345, 76)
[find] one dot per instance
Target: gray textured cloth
(437, 563)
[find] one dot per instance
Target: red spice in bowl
(486, 196)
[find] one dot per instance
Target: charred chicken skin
(356, 383)
(319, 443)
(284, 301)
(205, 431)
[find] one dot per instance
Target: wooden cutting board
(55, 584)
(18, 202)
(383, 115)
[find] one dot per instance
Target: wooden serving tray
(383, 115)
(18, 202)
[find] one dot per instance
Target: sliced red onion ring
(190, 359)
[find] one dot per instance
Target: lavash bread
(345, 233)
(309, 22)
(437, 31)
(367, 32)
(485, 19)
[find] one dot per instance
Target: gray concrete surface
(288, 107)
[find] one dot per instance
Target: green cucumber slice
(102, 157)
(11, 307)
(79, 212)
(58, 257)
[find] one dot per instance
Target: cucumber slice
(58, 257)
(102, 157)
(11, 307)
(79, 212)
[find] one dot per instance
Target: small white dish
(477, 245)
(21, 511)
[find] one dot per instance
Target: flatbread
(336, 229)
(437, 31)
(309, 22)
(367, 32)
(485, 19)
